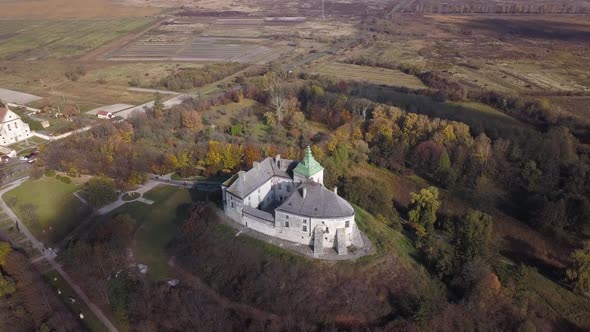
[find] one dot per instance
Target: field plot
(58, 9)
(44, 39)
(206, 39)
(372, 75)
(16, 97)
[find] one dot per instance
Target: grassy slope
(158, 224)
(58, 210)
(370, 74)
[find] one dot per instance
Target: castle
(287, 199)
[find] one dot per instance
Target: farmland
(222, 40)
(60, 9)
(372, 75)
(56, 39)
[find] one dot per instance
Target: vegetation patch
(373, 75)
(48, 207)
(158, 224)
(130, 196)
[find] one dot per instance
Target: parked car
(23, 158)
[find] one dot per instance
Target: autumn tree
(423, 208)
(579, 273)
(191, 120)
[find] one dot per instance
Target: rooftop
(314, 200)
(308, 166)
(243, 183)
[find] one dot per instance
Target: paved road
(50, 257)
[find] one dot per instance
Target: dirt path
(101, 52)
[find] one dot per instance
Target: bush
(74, 74)
(49, 173)
(64, 179)
(100, 191)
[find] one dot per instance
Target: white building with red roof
(12, 128)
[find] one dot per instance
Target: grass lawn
(157, 225)
(48, 207)
(90, 321)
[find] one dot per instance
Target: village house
(104, 115)
(12, 128)
(287, 199)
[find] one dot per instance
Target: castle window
(286, 224)
(287, 216)
(347, 224)
(305, 221)
(15, 125)
(279, 186)
(304, 228)
(9, 126)
(288, 188)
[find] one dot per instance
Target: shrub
(73, 74)
(64, 179)
(49, 173)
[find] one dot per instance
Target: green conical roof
(308, 166)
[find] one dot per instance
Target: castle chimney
(242, 175)
(336, 190)
(304, 193)
(278, 160)
(256, 165)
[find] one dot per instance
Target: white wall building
(12, 128)
(287, 199)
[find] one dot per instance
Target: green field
(55, 39)
(372, 75)
(48, 208)
(157, 225)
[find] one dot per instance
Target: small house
(104, 115)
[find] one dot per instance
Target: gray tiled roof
(242, 186)
(318, 202)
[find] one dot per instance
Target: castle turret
(309, 169)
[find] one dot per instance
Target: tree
(191, 120)
(100, 191)
(579, 272)
(423, 210)
(270, 119)
(277, 99)
(5, 249)
(473, 236)
(158, 106)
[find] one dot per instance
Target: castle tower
(309, 169)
